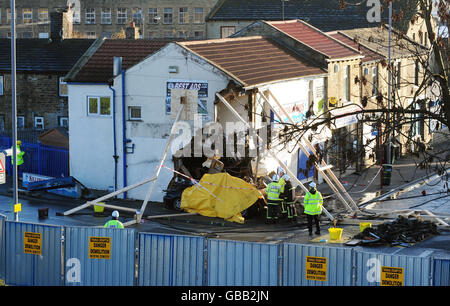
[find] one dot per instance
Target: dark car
(172, 199)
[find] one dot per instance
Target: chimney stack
(131, 32)
(61, 25)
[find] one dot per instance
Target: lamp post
(14, 106)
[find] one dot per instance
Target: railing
(49, 255)
(39, 159)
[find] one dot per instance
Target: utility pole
(388, 155)
(14, 106)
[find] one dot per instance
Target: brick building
(155, 18)
(41, 65)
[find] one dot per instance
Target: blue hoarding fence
(39, 159)
(49, 255)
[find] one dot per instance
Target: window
(336, 68)
(399, 74)
(20, 122)
(90, 16)
(199, 15)
(152, 34)
(64, 122)
(43, 35)
(27, 15)
(39, 123)
(374, 81)
(152, 15)
(183, 15)
(198, 34)
(91, 34)
(134, 113)
(183, 34)
(227, 31)
(1, 85)
(8, 15)
(106, 15)
(2, 122)
(43, 14)
(76, 17)
(121, 15)
(168, 34)
(168, 15)
(100, 106)
(27, 35)
(137, 15)
(347, 83)
(416, 74)
(62, 87)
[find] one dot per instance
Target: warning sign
(2, 169)
(316, 268)
(391, 276)
(100, 247)
(32, 243)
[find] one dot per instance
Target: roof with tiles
(369, 55)
(253, 60)
(42, 55)
(326, 15)
(316, 39)
(99, 67)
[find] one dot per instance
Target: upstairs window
(90, 16)
(106, 15)
(152, 15)
(168, 15)
(121, 15)
(99, 106)
(199, 16)
(39, 123)
(43, 14)
(183, 15)
(27, 15)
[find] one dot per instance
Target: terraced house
(155, 18)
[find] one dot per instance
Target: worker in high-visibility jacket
(312, 203)
(289, 199)
(273, 192)
(19, 154)
(114, 222)
(282, 181)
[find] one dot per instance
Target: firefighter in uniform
(114, 223)
(312, 203)
(282, 181)
(288, 197)
(273, 192)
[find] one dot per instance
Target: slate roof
(369, 55)
(314, 38)
(42, 55)
(322, 14)
(99, 67)
(253, 60)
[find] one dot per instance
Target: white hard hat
(312, 185)
(115, 214)
(275, 178)
(286, 177)
(280, 169)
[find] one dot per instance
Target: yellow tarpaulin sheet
(220, 195)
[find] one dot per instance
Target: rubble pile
(402, 231)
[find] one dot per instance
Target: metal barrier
(33, 254)
(39, 159)
(48, 255)
(411, 270)
(237, 263)
(99, 256)
(306, 265)
(441, 272)
(2, 247)
(171, 260)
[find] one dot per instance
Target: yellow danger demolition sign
(316, 268)
(99, 247)
(391, 276)
(32, 243)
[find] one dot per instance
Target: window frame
(168, 14)
(347, 83)
(199, 18)
(98, 112)
(130, 117)
(137, 16)
(89, 15)
(43, 11)
(153, 15)
(61, 120)
(30, 13)
(104, 15)
(20, 118)
(35, 125)
(2, 85)
(61, 83)
(183, 16)
(227, 28)
(375, 81)
(119, 16)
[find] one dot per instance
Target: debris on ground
(402, 231)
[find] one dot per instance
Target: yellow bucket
(335, 233)
(364, 225)
(98, 208)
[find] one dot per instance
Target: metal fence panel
(237, 263)
(171, 260)
(25, 269)
(2, 247)
(117, 270)
(416, 270)
(339, 265)
(39, 159)
(441, 272)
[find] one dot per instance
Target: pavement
(363, 188)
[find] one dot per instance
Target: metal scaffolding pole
(14, 106)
